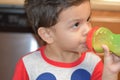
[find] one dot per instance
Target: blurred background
(17, 37)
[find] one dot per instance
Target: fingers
(111, 61)
(117, 66)
(116, 62)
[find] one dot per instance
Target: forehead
(75, 12)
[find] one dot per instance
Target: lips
(85, 47)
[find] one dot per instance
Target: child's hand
(111, 65)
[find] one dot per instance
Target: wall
(18, 2)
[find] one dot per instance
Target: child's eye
(76, 24)
(88, 18)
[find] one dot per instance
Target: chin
(83, 49)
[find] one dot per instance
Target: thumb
(106, 50)
(107, 55)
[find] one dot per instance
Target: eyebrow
(81, 19)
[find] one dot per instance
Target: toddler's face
(72, 28)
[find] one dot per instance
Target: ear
(45, 34)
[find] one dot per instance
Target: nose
(87, 28)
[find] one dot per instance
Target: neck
(61, 55)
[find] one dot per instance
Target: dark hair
(44, 13)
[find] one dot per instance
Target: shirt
(36, 66)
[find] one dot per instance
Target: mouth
(85, 47)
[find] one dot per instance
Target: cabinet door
(109, 19)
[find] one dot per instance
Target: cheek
(69, 40)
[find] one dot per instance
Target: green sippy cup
(101, 35)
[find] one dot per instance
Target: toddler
(63, 26)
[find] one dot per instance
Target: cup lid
(90, 36)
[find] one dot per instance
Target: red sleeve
(20, 71)
(97, 73)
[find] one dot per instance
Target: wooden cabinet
(110, 19)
